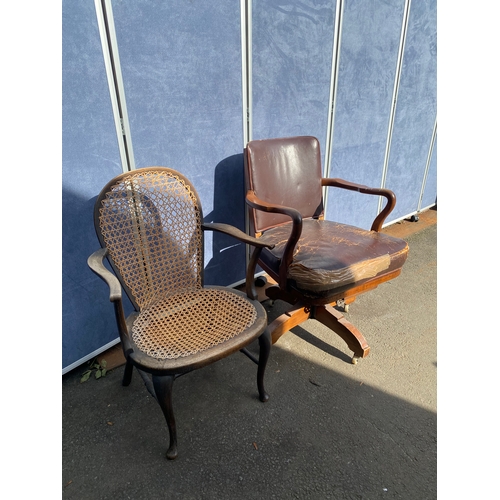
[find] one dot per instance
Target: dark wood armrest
(351, 186)
(245, 238)
(95, 262)
(264, 206)
(296, 217)
(236, 233)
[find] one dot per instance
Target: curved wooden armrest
(264, 206)
(245, 238)
(235, 233)
(296, 217)
(95, 262)
(351, 186)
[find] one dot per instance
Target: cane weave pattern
(150, 222)
(151, 226)
(190, 322)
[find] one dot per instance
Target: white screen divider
(397, 79)
(337, 40)
(427, 165)
(105, 21)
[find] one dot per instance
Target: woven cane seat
(187, 323)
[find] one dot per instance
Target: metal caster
(260, 281)
(341, 303)
(354, 360)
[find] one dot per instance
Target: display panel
(90, 158)
(291, 60)
(368, 59)
(415, 111)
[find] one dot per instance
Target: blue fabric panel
(181, 67)
(368, 55)
(90, 157)
(430, 192)
(229, 207)
(415, 111)
(291, 59)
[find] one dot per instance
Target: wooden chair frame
(159, 374)
(321, 308)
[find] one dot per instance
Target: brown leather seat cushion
(330, 255)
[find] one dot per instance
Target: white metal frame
(105, 21)
(397, 79)
(332, 100)
(246, 85)
(427, 165)
(246, 68)
(90, 356)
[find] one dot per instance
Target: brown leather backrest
(285, 171)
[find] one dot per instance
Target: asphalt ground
(331, 429)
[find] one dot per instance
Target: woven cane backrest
(150, 222)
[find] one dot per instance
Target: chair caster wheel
(260, 281)
(354, 360)
(341, 303)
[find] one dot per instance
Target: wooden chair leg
(265, 349)
(163, 389)
(335, 320)
(127, 375)
(331, 318)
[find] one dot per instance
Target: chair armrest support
(235, 233)
(258, 204)
(95, 262)
(351, 186)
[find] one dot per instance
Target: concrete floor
(331, 430)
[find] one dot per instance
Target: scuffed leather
(277, 169)
(329, 255)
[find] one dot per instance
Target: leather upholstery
(330, 255)
(285, 172)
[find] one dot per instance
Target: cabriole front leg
(265, 349)
(163, 389)
(127, 375)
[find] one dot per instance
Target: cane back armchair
(150, 226)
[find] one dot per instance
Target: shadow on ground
(330, 430)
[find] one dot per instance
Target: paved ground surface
(331, 430)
